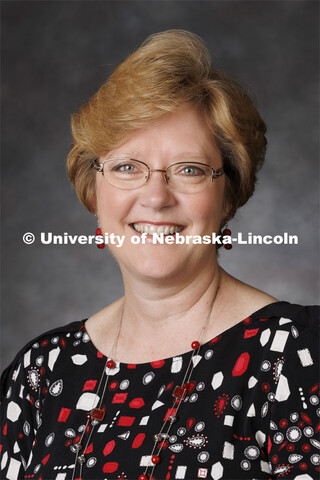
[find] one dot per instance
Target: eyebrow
(191, 155)
(134, 155)
(130, 154)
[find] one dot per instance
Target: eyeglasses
(185, 177)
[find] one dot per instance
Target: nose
(156, 193)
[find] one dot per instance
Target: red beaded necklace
(96, 414)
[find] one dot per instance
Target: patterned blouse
(251, 410)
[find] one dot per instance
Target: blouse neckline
(264, 312)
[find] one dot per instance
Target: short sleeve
(19, 416)
(24, 388)
(293, 443)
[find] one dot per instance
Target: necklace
(97, 412)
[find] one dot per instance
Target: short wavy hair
(169, 69)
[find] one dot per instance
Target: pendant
(97, 414)
(179, 393)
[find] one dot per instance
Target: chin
(155, 266)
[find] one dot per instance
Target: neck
(150, 310)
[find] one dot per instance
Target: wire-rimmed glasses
(184, 177)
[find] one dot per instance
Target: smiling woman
(193, 204)
(192, 374)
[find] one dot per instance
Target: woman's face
(177, 137)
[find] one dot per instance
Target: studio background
(55, 54)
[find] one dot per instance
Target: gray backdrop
(54, 56)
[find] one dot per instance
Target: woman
(192, 374)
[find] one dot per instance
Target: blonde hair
(168, 70)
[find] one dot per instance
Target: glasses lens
(189, 177)
(125, 173)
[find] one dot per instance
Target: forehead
(175, 135)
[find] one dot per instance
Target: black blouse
(251, 411)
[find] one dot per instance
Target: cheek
(207, 208)
(111, 202)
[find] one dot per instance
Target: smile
(151, 229)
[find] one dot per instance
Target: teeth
(151, 229)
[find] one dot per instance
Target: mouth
(151, 229)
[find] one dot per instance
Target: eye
(191, 170)
(126, 167)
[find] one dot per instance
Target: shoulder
(292, 332)
(245, 299)
(305, 317)
(46, 344)
(300, 321)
